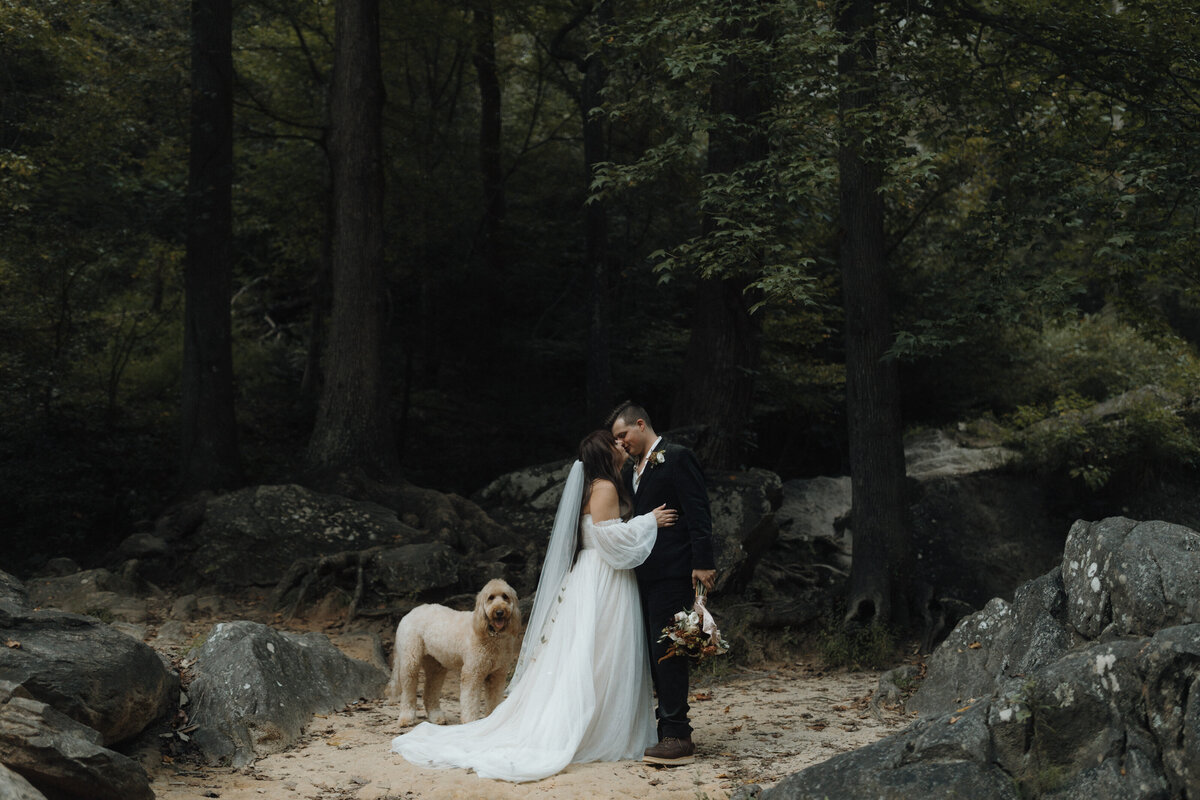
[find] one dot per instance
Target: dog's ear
(515, 624)
(479, 617)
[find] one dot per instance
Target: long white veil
(559, 551)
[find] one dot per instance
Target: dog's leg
(435, 677)
(495, 691)
(471, 692)
(408, 667)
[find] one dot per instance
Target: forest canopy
(587, 201)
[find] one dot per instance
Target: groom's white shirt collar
(641, 467)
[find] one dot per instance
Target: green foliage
(1038, 165)
(1106, 403)
(1145, 435)
(871, 646)
(762, 218)
(1098, 356)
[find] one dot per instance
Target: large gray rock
(1112, 719)
(1078, 727)
(15, 787)
(256, 688)
(925, 761)
(1001, 643)
(59, 756)
(978, 532)
(808, 518)
(85, 669)
(66, 592)
(95, 592)
(744, 528)
(539, 488)
(250, 537)
(446, 517)
(525, 502)
(1170, 673)
(1058, 694)
(1118, 577)
(968, 663)
(414, 570)
(1125, 577)
(13, 594)
(934, 453)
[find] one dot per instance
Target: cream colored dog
(481, 644)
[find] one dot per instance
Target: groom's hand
(708, 577)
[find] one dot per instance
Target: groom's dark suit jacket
(688, 544)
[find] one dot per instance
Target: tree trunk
(484, 60)
(352, 428)
(321, 291)
(880, 568)
(595, 150)
(717, 390)
(209, 456)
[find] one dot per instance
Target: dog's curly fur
(483, 644)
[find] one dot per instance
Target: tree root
(305, 572)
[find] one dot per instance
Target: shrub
(858, 646)
(1135, 437)
(1100, 401)
(1096, 357)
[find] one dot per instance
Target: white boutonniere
(656, 458)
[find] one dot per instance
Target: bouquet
(693, 632)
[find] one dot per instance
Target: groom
(681, 558)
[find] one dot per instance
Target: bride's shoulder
(604, 501)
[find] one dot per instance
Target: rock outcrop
(14, 787)
(61, 757)
(255, 688)
(84, 668)
(95, 592)
(70, 686)
(1086, 686)
(237, 543)
(742, 504)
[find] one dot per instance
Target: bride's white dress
(585, 693)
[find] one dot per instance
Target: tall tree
(879, 518)
(591, 62)
(713, 70)
(490, 130)
(717, 390)
(600, 386)
(353, 428)
(209, 453)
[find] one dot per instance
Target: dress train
(585, 693)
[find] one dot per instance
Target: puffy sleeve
(625, 545)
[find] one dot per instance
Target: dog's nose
(500, 613)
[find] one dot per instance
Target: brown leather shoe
(671, 752)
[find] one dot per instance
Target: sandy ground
(751, 726)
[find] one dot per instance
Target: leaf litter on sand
(751, 726)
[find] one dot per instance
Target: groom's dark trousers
(665, 578)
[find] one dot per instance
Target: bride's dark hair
(596, 453)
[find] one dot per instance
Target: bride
(581, 690)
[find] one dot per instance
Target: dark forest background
(449, 236)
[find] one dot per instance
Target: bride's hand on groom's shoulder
(665, 517)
